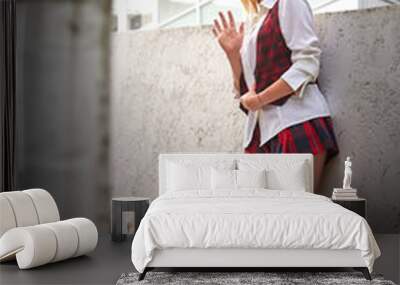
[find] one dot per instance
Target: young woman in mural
(275, 63)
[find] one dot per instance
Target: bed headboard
(268, 158)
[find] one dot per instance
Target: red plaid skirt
(315, 136)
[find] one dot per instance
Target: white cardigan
(296, 22)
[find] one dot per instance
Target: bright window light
(130, 15)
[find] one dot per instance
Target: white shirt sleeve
(297, 25)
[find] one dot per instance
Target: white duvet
(250, 219)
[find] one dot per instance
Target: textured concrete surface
(171, 92)
(360, 77)
(62, 109)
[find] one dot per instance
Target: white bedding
(252, 218)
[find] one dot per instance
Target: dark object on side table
(126, 214)
(358, 206)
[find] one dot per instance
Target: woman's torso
(274, 118)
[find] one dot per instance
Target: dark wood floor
(103, 266)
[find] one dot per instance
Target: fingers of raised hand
(217, 26)
(216, 29)
(231, 20)
(223, 20)
(222, 25)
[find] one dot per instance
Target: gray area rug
(232, 278)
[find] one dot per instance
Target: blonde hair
(253, 10)
(251, 6)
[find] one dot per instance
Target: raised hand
(229, 37)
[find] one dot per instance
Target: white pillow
(184, 177)
(223, 179)
(193, 174)
(282, 175)
(251, 178)
(226, 179)
(293, 178)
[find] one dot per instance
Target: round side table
(126, 214)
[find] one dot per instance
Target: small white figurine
(347, 174)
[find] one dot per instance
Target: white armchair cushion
(37, 245)
(45, 205)
(87, 233)
(31, 232)
(32, 246)
(23, 208)
(7, 220)
(66, 237)
(26, 208)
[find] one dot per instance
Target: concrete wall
(172, 93)
(62, 93)
(388, 263)
(360, 77)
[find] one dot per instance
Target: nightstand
(126, 214)
(358, 205)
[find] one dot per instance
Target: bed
(245, 211)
